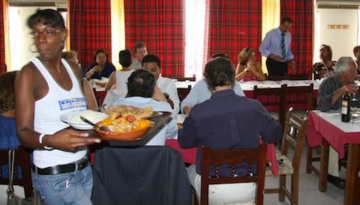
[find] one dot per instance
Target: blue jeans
(68, 188)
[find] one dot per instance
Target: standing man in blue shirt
(276, 46)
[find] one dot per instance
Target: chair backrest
(193, 78)
(300, 76)
(278, 78)
(183, 92)
(141, 175)
(294, 136)
(272, 99)
(299, 97)
(233, 157)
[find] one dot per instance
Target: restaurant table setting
(249, 85)
(326, 128)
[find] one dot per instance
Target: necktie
(283, 49)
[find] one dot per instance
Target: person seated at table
(324, 68)
(116, 87)
(70, 56)
(226, 121)
(152, 63)
(143, 92)
(101, 67)
(248, 68)
(140, 51)
(201, 92)
(8, 137)
(357, 57)
(329, 98)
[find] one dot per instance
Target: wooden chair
(183, 92)
(232, 157)
(141, 175)
(22, 159)
(294, 136)
(299, 76)
(193, 78)
(273, 99)
(300, 98)
(277, 78)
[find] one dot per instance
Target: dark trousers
(276, 68)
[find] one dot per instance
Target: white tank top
(47, 115)
(121, 87)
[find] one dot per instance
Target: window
(194, 37)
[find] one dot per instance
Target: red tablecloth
(319, 127)
(189, 155)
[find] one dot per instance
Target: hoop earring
(32, 46)
(62, 44)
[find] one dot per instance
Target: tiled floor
(309, 193)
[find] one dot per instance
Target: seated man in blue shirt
(226, 121)
(200, 92)
(142, 92)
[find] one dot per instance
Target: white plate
(67, 117)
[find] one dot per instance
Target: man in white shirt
(201, 92)
(152, 63)
(140, 51)
(143, 92)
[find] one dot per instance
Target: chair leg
(196, 202)
(282, 183)
(294, 189)
(309, 159)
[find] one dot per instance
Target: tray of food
(130, 126)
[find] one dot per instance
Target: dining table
(248, 86)
(326, 128)
(183, 88)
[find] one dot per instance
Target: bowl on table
(130, 135)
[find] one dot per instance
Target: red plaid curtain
(301, 12)
(90, 28)
(231, 26)
(160, 24)
(2, 39)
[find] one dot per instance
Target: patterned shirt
(326, 92)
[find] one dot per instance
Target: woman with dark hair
(248, 68)
(8, 138)
(324, 68)
(116, 87)
(46, 88)
(101, 67)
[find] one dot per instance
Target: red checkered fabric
(90, 28)
(160, 24)
(231, 26)
(301, 12)
(2, 40)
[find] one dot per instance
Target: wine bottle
(345, 106)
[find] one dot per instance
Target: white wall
(342, 41)
(20, 43)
